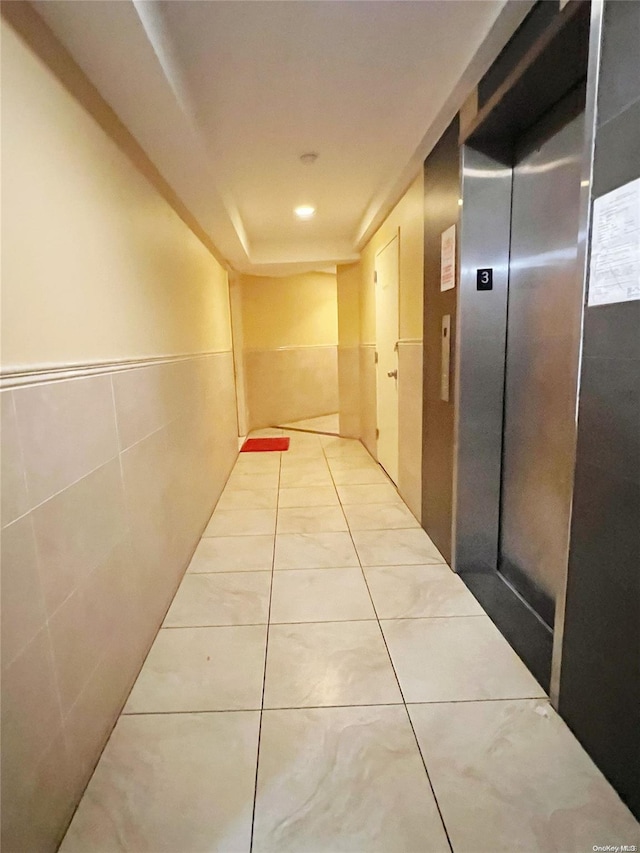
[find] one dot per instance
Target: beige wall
(348, 279)
(109, 477)
(116, 275)
(408, 216)
(293, 311)
(290, 328)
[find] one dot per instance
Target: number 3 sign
(484, 279)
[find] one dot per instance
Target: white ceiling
(225, 95)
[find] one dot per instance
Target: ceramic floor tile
(308, 496)
(292, 473)
(531, 784)
(379, 516)
(348, 463)
(335, 447)
(381, 493)
(261, 455)
(328, 663)
(255, 463)
(226, 598)
(201, 669)
(238, 481)
(297, 478)
(455, 659)
(395, 548)
(305, 451)
(337, 441)
(314, 551)
(408, 592)
(357, 454)
(359, 457)
(171, 782)
(241, 522)
(304, 463)
(343, 779)
(360, 476)
(301, 440)
(320, 595)
(248, 499)
(233, 554)
(266, 432)
(311, 519)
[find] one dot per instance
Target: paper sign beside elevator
(448, 259)
(615, 246)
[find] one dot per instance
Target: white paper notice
(615, 246)
(448, 259)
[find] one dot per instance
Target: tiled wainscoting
(290, 384)
(107, 483)
(410, 424)
(349, 389)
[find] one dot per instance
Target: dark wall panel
(441, 193)
(600, 676)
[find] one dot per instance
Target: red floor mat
(261, 445)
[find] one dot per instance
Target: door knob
(393, 373)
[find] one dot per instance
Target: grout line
(262, 624)
(313, 568)
(544, 699)
(418, 618)
(317, 621)
(64, 488)
(204, 627)
(197, 711)
(228, 572)
(264, 672)
(285, 532)
(384, 640)
(237, 535)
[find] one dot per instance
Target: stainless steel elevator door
(541, 368)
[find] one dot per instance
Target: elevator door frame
(487, 158)
(481, 358)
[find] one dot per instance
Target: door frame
(396, 236)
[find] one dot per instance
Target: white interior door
(387, 334)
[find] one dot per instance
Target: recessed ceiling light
(305, 211)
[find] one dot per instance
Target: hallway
(317, 659)
(389, 232)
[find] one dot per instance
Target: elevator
(520, 308)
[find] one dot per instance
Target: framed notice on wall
(448, 259)
(615, 246)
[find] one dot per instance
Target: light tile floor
(323, 682)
